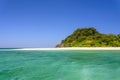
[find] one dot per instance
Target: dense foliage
(90, 37)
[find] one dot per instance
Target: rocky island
(90, 37)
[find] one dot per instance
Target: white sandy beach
(74, 48)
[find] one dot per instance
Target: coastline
(74, 48)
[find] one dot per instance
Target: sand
(74, 48)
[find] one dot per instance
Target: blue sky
(44, 23)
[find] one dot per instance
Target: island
(90, 37)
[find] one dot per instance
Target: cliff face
(90, 37)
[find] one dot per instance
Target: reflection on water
(59, 65)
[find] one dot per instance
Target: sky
(44, 23)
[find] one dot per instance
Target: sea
(59, 64)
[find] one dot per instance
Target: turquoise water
(59, 65)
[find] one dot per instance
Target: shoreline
(73, 48)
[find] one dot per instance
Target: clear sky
(44, 23)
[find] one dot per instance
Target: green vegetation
(90, 37)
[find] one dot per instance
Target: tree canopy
(90, 37)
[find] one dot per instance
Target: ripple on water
(59, 65)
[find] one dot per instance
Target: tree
(90, 37)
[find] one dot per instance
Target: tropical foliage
(90, 37)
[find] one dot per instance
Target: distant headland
(90, 37)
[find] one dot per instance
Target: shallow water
(59, 65)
